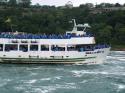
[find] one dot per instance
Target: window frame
(30, 46)
(10, 48)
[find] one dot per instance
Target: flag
(8, 20)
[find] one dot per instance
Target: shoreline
(118, 48)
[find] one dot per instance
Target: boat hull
(38, 60)
(65, 58)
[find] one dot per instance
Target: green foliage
(25, 3)
(12, 2)
(105, 34)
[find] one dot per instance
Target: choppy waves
(104, 78)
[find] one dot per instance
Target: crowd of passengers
(54, 48)
(81, 48)
(39, 36)
(92, 48)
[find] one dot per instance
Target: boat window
(33, 47)
(80, 28)
(23, 48)
(11, 47)
(24, 41)
(89, 48)
(33, 41)
(71, 48)
(44, 47)
(14, 41)
(82, 48)
(58, 48)
(1, 47)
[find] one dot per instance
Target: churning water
(104, 78)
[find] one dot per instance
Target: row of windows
(24, 48)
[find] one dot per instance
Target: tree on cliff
(12, 2)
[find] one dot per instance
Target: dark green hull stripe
(38, 60)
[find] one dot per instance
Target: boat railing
(101, 46)
(36, 36)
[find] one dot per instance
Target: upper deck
(71, 37)
(47, 39)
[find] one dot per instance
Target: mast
(75, 26)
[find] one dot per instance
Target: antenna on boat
(74, 22)
(75, 26)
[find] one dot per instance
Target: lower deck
(54, 56)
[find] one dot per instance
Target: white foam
(111, 57)
(44, 89)
(59, 86)
(3, 84)
(59, 69)
(66, 86)
(88, 72)
(58, 77)
(120, 86)
(30, 81)
(35, 68)
(70, 84)
(45, 79)
(19, 88)
(121, 59)
(38, 90)
(54, 78)
(120, 52)
(82, 72)
(33, 74)
(84, 81)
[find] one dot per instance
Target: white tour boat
(73, 47)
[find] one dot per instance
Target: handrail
(36, 36)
